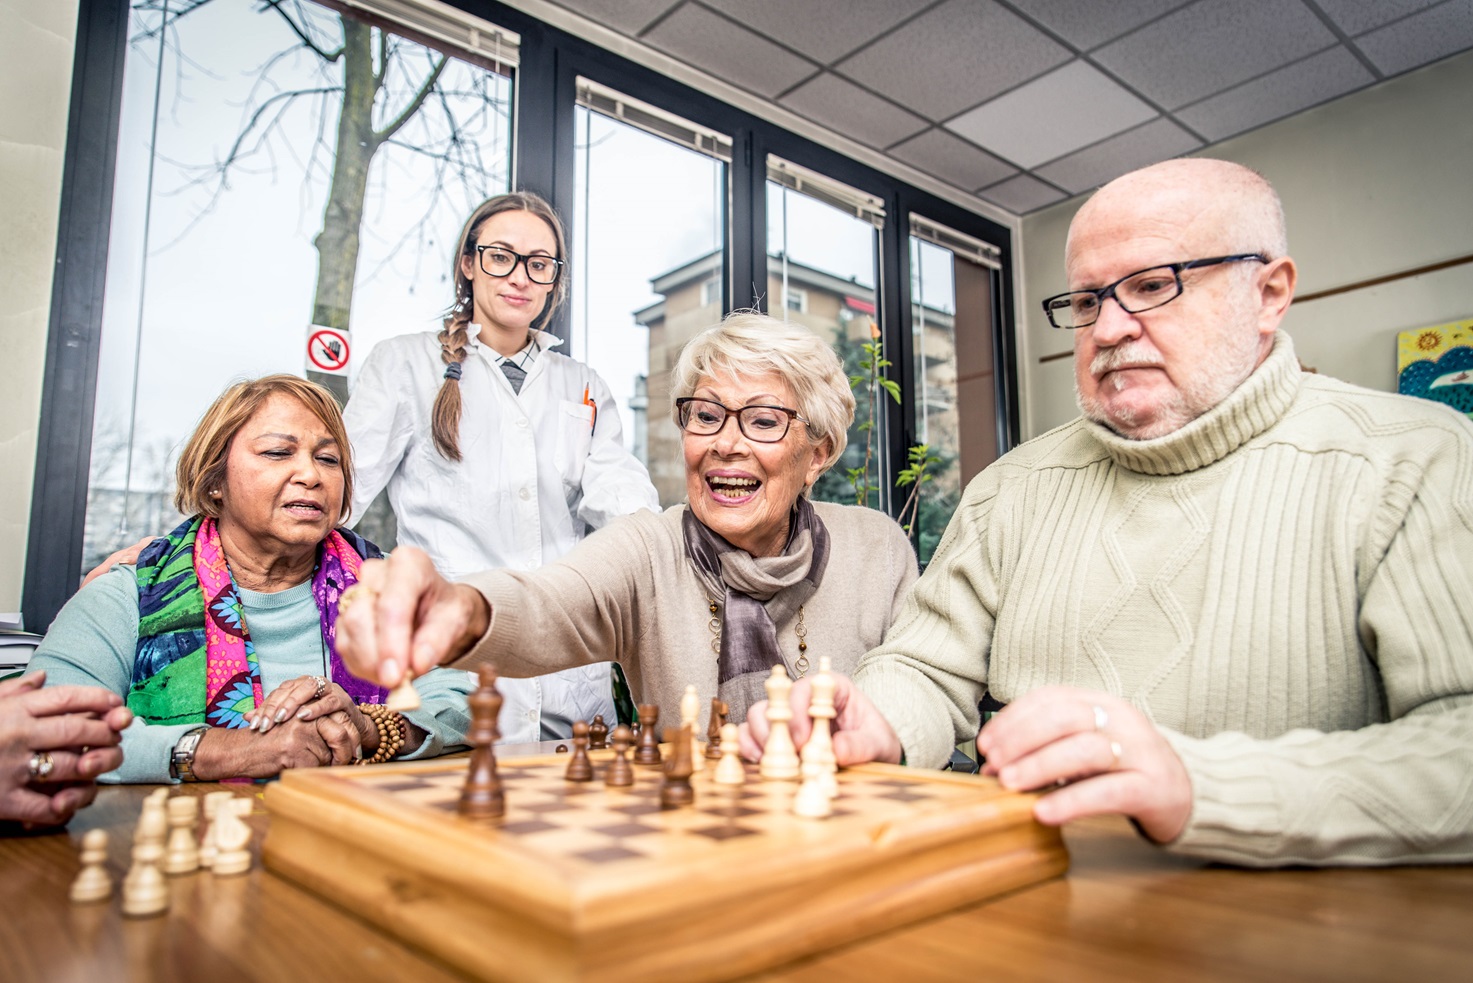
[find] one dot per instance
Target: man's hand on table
(1110, 757)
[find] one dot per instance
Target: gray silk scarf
(756, 593)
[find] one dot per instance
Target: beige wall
(1375, 183)
(36, 41)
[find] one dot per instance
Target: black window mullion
(73, 346)
(894, 298)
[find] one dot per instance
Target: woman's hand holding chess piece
(413, 620)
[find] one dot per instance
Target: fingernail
(281, 715)
(389, 669)
(303, 713)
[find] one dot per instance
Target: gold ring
(351, 596)
(40, 766)
(321, 682)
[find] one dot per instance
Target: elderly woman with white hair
(748, 574)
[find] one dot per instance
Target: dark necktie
(515, 374)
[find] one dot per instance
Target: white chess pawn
(812, 800)
(182, 853)
(93, 882)
(144, 890)
(779, 756)
(690, 709)
(232, 839)
(729, 770)
(207, 848)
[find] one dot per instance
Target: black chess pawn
(482, 797)
(598, 733)
(580, 769)
(648, 751)
(676, 790)
(620, 773)
(719, 710)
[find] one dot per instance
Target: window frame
(543, 152)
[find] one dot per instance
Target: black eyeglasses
(500, 261)
(1140, 291)
(764, 424)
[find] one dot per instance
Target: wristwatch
(181, 762)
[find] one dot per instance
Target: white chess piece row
(817, 767)
(225, 849)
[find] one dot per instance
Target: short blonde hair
(201, 467)
(752, 343)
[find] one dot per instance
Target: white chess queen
(749, 574)
(222, 637)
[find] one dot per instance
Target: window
(649, 256)
(823, 257)
(954, 382)
(225, 246)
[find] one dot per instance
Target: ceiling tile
(1158, 140)
(1069, 108)
(1086, 24)
(1357, 16)
(1318, 78)
(1022, 194)
(953, 57)
(1420, 38)
(629, 16)
(717, 46)
(827, 29)
(850, 110)
(952, 159)
(1207, 47)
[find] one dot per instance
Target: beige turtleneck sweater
(1284, 586)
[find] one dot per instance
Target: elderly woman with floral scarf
(222, 639)
(747, 575)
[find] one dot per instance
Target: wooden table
(1126, 911)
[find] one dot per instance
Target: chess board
(582, 882)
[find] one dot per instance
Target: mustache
(1110, 359)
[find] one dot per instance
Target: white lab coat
(536, 474)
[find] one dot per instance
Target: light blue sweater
(93, 640)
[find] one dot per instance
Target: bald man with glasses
(1232, 601)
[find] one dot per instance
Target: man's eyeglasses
(1140, 291)
(764, 424)
(500, 261)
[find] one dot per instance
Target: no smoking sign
(327, 350)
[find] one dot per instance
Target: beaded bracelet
(391, 732)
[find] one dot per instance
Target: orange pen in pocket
(592, 408)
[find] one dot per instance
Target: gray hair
(752, 343)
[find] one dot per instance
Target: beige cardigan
(628, 593)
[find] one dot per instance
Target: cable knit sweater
(628, 593)
(1284, 586)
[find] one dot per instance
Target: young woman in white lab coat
(498, 451)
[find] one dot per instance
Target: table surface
(1126, 911)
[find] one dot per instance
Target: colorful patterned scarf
(195, 663)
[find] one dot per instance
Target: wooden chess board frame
(578, 882)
